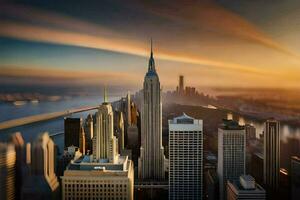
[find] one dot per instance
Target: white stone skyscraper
(231, 153)
(151, 161)
(185, 158)
(104, 141)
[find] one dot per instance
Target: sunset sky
(222, 43)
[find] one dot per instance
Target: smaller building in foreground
(245, 188)
(85, 179)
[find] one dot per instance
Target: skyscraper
(250, 132)
(151, 161)
(82, 141)
(7, 171)
(231, 153)
(89, 133)
(104, 141)
(42, 182)
(185, 158)
(272, 154)
(72, 131)
(181, 85)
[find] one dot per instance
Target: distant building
(42, 182)
(89, 133)
(231, 153)
(7, 171)
(72, 131)
(245, 188)
(295, 177)
(120, 132)
(250, 132)
(181, 85)
(82, 141)
(272, 154)
(185, 158)
(152, 158)
(190, 91)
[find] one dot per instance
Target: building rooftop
(86, 163)
(229, 124)
(184, 119)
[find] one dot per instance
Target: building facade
(151, 161)
(98, 180)
(104, 141)
(231, 153)
(185, 158)
(7, 171)
(272, 154)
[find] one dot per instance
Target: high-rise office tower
(295, 177)
(82, 141)
(128, 108)
(245, 188)
(272, 154)
(185, 158)
(42, 182)
(104, 141)
(89, 133)
(151, 161)
(7, 171)
(72, 131)
(231, 153)
(181, 84)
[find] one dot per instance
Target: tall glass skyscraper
(231, 153)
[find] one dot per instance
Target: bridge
(42, 117)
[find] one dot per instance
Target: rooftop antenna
(105, 95)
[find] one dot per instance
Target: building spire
(105, 95)
(151, 66)
(151, 49)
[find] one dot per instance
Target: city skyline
(81, 43)
(203, 99)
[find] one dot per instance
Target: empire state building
(151, 161)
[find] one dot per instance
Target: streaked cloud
(59, 76)
(204, 39)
